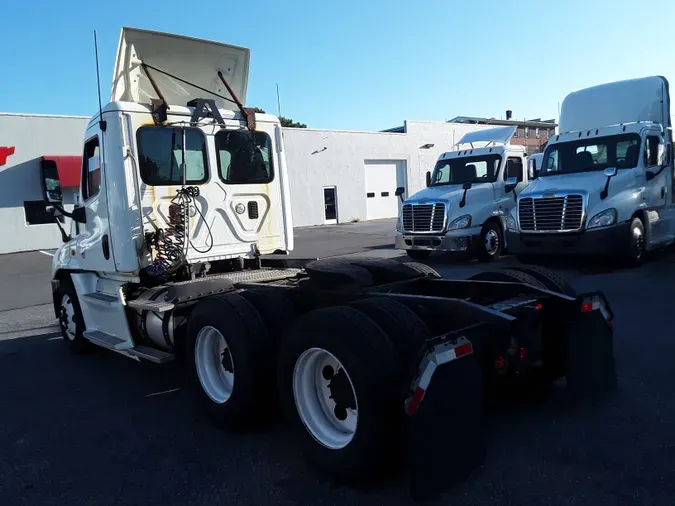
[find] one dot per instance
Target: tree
(285, 122)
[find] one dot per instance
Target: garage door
(382, 179)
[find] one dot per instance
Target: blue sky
(355, 65)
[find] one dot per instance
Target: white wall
(32, 137)
(318, 158)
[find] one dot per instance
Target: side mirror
(399, 191)
(79, 215)
(510, 184)
(428, 178)
(466, 186)
(51, 186)
(650, 175)
(609, 172)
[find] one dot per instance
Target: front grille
(551, 214)
(420, 218)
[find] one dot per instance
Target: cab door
(658, 188)
(94, 249)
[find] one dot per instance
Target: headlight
(461, 222)
(603, 219)
(399, 224)
(511, 223)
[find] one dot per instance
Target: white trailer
(182, 196)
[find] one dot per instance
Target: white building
(26, 143)
(359, 171)
(335, 176)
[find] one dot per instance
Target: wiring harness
(171, 244)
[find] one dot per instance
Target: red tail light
(500, 363)
(523, 353)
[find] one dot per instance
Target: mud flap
(589, 348)
(444, 422)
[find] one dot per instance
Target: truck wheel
(405, 329)
(336, 374)
(232, 359)
(418, 254)
(636, 246)
(491, 242)
(71, 321)
(550, 279)
(275, 308)
(507, 276)
(423, 269)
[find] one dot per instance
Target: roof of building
(537, 122)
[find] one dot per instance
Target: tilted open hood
(501, 135)
(194, 60)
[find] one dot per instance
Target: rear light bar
(436, 356)
(597, 303)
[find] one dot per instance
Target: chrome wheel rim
(325, 398)
(67, 318)
(638, 242)
(214, 364)
(491, 242)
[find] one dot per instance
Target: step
(151, 354)
(102, 339)
(156, 306)
(101, 298)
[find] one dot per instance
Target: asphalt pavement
(100, 429)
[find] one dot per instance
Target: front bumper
(594, 242)
(461, 240)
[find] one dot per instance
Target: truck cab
(171, 180)
(467, 199)
(606, 181)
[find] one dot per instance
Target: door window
(330, 204)
(91, 169)
(651, 152)
(514, 168)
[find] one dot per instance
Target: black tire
(507, 276)
(635, 250)
(251, 353)
(371, 362)
(338, 272)
(490, 230)
(550, 279)
(405, 329)
(76, 342)
(423, 269)
(418, 254)
(275, 308)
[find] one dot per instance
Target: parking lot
(100, 429)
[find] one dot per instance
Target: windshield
(583, 155)
(468, 169)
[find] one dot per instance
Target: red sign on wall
(4, 153)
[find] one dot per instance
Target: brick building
(533, 134)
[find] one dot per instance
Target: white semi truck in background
(467, 198)
(183, 193)
(606, 181)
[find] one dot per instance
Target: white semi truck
(606, 181)
(183, 193)
(467, 199)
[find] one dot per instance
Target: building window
(527, 132)
(548, 133)
(160, 156)
(536, 132)
(36, 213)
(517, 133)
